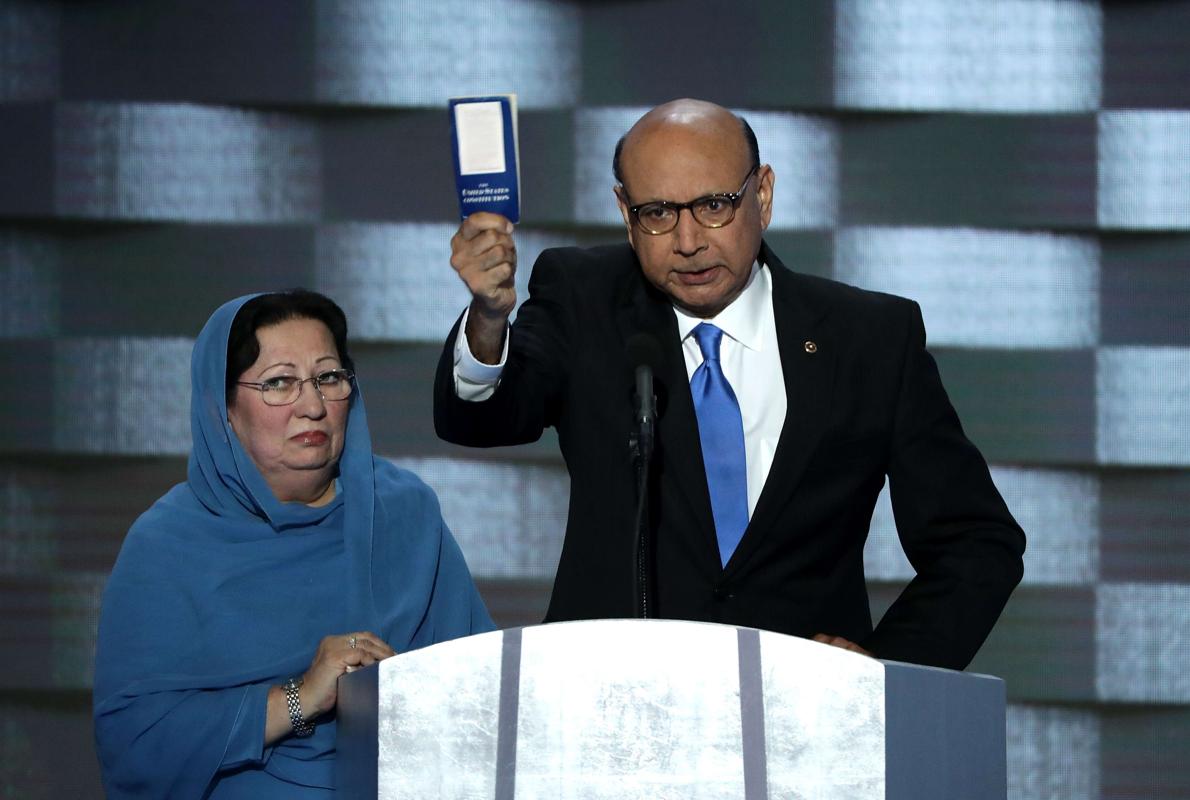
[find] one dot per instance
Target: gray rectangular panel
(30, 51)
(48, 745)
(1053, 752)
(958, 720)
(1142, 634)
(409, 53)
(1145, 295)
(1146, 63)
(122, 395)
(1142, 398)
(184, 163)
(26, 160)
(1144, 169)
(764, 53)
(981, 288)
(969, 170)
(1024, 406)
(1145, 517)
(212, 51)
(1043, 645)
(968, 55)
(30, 283)
(509, 519)
(357, 718)
(181, 273)
(1144, 753)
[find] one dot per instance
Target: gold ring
(351, 642)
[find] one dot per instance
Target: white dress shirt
(748, 354)
(751, 363)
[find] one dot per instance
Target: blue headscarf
(221, 591)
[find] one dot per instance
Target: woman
(290, 556)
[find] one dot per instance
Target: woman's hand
(320, 685)
(337, 655)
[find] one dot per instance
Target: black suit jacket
(864, 401)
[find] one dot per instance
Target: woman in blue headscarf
(290, 556)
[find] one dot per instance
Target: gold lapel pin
(811, 348)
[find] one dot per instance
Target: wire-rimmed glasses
(284, 390)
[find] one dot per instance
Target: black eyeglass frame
(734, 197)
(313, 380)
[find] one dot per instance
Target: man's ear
(622, 204)
(765, 179)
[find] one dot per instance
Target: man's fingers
(493, 286)
(483, 253)
(497, 276)
(481, 221)
(489, 239)
(840, 642)
(498, 254)
(464, 248)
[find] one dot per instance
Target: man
(785, 401)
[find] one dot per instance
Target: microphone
(644, 353)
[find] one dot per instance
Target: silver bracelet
(301, 727)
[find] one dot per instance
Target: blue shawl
(221, 591)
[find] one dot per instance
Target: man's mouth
(697, 277)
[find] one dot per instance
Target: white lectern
(658, 709)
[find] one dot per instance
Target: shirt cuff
(474, 380)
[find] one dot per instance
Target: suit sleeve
(954, 526)
(534, 379)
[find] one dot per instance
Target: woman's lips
(312, 438)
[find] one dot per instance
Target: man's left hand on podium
(839, 641)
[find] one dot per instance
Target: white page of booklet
(480, 129)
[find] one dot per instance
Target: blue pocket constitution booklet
(486, 153)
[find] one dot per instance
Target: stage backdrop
(1021, 168)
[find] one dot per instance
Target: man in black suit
(785, 401)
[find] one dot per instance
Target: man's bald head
(694, 160)
(698, 113)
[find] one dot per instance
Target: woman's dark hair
(243, 348)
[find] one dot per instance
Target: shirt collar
(742, 320)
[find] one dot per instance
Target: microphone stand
(640, 444)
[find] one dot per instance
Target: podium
(661, 709)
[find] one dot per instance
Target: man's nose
(689, 236)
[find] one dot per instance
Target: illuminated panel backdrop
(1019, 167)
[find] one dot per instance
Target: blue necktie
(721, 429)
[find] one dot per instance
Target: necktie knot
(708, 338)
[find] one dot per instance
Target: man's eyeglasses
(284, 390)
(710, 211)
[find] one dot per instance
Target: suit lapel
(808, 365)
(644, 310)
